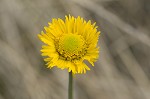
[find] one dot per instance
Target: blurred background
(121, 72)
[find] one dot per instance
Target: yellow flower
(68, 43)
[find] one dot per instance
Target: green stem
(70, 88)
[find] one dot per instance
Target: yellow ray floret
(68, 43)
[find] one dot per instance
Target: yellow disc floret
(71, 46)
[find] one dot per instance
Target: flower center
(71, 46)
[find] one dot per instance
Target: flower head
(68, 43)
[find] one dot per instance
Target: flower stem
(70, 88)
